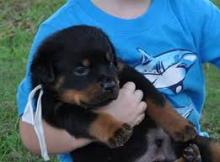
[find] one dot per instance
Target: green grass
(18, 23)
(19, 20)
(210, 119)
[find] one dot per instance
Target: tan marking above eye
(120, 66)
(108, 56)
(86, 62)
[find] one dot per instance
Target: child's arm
(57, 140)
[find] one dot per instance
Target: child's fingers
(139, 95)
(142, 107)
(129, 86)
(139, 119)
(140, 114)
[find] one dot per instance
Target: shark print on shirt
(167, 72)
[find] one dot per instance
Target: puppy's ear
(112, 51)
(42, 70)
(42, 67)
(119, 64)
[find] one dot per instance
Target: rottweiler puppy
(78, 70)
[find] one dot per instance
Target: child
(166, 40)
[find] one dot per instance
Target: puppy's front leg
(158, 107)
(110, 131)
(80, 122)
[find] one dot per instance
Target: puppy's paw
(121, 136)
(192, 154)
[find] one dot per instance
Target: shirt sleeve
(25, 86)
(201, 18)
(210, 35)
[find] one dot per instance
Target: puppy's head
(78, 66)
(159, 148)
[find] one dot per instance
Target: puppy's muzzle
(108, 84)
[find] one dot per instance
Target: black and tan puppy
(78, 70)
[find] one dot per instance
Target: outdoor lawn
(19, 20)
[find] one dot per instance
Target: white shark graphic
(185, 111)
(168, 69)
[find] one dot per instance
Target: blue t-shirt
(168, 44)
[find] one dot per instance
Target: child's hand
(128, 107)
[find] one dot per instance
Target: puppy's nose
(108, 84)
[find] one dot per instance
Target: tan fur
(86, 62)
(72, 96)
(109, 56)
(175, 125)
(76, 96)
(120, 66)
(215, 151)
(104, 127)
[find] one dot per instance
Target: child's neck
(126, 9)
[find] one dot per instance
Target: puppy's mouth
(101, 100)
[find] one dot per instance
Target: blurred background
(19, 20)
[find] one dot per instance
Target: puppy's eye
(81, 71)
